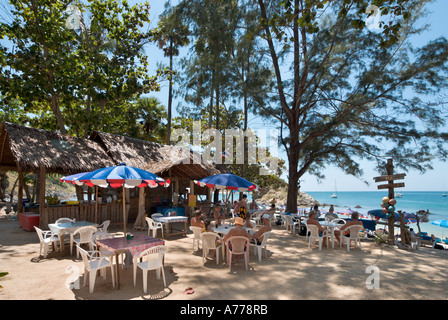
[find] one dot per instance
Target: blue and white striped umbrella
(440, 223)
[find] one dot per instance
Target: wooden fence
(85, 212)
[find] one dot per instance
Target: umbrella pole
(96, 204)
(124, 211)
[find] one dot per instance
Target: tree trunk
(217, 107)
(293, 179)
(170, 97)
(57, 113)
(210, 116)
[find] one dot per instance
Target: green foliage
(75, 78)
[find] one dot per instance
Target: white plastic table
(225, 230)
(330, 226)
(168, 221)
(68, 227)
(135, 246)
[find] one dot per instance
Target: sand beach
(291, 271)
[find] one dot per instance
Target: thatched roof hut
(35, 148)
(157, 158)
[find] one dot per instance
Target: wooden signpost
(390, 177)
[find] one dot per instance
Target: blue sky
(433, 180)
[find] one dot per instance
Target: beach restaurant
(29, 150)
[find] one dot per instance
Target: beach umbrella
(410, 216)
(227, 181)
(380, 214)
(122, 176)
(73, 179)
(346, 212)
(440, 223)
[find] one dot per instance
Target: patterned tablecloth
(171, 219)
(136, 245)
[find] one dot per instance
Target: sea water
(410, 201)
(363, 201)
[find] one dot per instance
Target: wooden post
(124, 210)
(141, 208)
(43, 219)
(391, 195)
(20, 191)
(96, 204)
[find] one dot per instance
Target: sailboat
(335, 195)
(444, 194)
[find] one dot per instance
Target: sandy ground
(292, 271)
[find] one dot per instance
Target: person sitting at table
(253, 206)
(354, 222)
(197, 220)
(313, 220)
(208, 228)
(248, 223)
(271, 211)
(238, 230)
(218, 214)
(257, 237)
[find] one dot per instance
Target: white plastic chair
(103, 227)
(304, 222)
(99, 235)
(46, 238)
(354, 235)
(259, 248)
(94, 261)
(155, 215)
(154, 226)
(150, 259)
(257, 217)
(63, 220)
(240, 246)
(85, 236)
(197, 235)
(314, 234)
(209, 243)
(290, 223)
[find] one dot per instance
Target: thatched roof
(154, 157)
(32, 148)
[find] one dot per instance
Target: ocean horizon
(409, 201)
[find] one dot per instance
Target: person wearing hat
(257, 237)
(238, 230)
